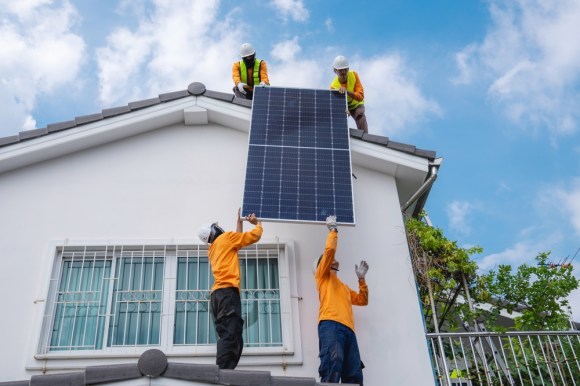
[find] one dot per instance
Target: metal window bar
(75, 317)
(552, 353)
(112, 296)
(137, 300)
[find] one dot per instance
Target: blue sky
(492, 86)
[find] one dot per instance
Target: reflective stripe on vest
(255, 73)
(351, 79)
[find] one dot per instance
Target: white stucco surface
(161, 185)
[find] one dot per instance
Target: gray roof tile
(9, 140)
(192, 372)
(83, 119)
(242, 102)
(144, 103)
(60, 126)
(29, 134)
(153, 363)
(107, 113)
(111, 373)
(170, 96)
(402, 147)
(356, 133)
(222, 96)
(293, 381)
(65, 379)
(196, 88)
(245, 378)
(376, 139)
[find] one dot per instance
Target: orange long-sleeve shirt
(223, 256)
(359, 91)
(263, 74)
(336, 298)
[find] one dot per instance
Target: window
(111, 298)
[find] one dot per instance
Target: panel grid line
(298, 166)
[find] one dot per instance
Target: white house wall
(161, 185)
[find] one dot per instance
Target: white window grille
(111, 298)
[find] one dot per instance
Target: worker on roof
(249, 72)
(338, 347)
(348, 82)
(226, 305)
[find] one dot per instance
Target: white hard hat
(246, 50)
(340, 62)
(205, 231)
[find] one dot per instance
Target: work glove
(241, 87)
(331, 223)
(361, 269)
(262, 84)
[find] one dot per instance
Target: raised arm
(239, 224)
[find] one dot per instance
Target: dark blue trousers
(339, 354)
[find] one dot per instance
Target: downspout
(426, 185)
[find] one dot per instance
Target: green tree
(444, 272)
(539, 292)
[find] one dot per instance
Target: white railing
(512, 358)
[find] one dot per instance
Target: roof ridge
(194, 89)
(153, 363)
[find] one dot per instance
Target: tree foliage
(539, 292)
(441, 264)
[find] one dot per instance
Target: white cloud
(329, 25)
(458, 213)
(565, 201)
(286, 50)
(463, 60)
(393, 101)
(181, 41)
(532, 63)
(574, 301)
(293, 9)
(38, 54)
(522, 252)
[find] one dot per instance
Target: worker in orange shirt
(249, 73)
(348, 82)
(226, 303)
(338, 347)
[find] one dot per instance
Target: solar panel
(298, 166)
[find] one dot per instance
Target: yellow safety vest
(351, 79)
(255, 74)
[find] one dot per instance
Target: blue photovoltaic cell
(299, 156)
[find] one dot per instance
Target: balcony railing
(512, 358)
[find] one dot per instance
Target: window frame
(289, 352)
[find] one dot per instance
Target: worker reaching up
(226, 305)
(339, 353)
(348, 82)
(249, 72)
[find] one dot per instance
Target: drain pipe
(426, 185)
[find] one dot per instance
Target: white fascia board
(122, 126)
(383, 159)
(93, 134)
(226, 113)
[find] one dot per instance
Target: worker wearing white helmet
(226, 305)
(348, 82)
(339, 354)
(249, 72)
